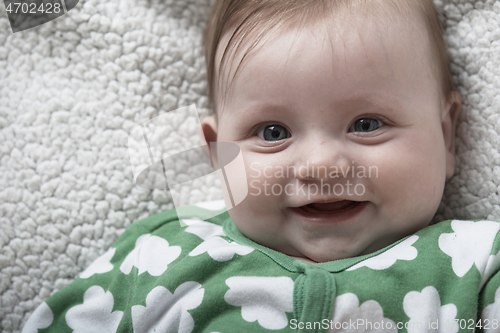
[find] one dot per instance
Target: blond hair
(245, 16)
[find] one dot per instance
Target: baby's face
(346, 138)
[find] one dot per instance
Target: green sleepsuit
(162, 275)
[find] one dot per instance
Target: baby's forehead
(340, 31)
(245, 32)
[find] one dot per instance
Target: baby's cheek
(412, 185)
(253, 220)
(399, 176)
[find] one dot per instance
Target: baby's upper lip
(331, 200)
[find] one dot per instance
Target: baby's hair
(244, 16)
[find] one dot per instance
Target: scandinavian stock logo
(165, 153)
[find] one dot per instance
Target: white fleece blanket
(72, 90)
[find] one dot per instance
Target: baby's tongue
(330, 206)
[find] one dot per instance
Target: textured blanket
(72, 90)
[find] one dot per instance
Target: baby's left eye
(365, 125)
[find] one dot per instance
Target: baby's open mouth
(330, 212)
(324, 207)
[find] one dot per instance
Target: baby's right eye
(274, 133)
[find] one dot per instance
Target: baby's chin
(322, 258)
(322, 251)
(307, 260)
(319, 256)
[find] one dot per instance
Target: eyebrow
(379, 101)
(372, 96)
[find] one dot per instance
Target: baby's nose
(322, 161)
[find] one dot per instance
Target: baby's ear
(209, 129)
(449, 123)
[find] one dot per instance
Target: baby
(345, 114)
(344, 84)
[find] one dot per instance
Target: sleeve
(489, 297)
(94, 301)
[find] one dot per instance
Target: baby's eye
(273, 133)
(365, 125)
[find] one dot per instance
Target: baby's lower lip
(331, 213)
